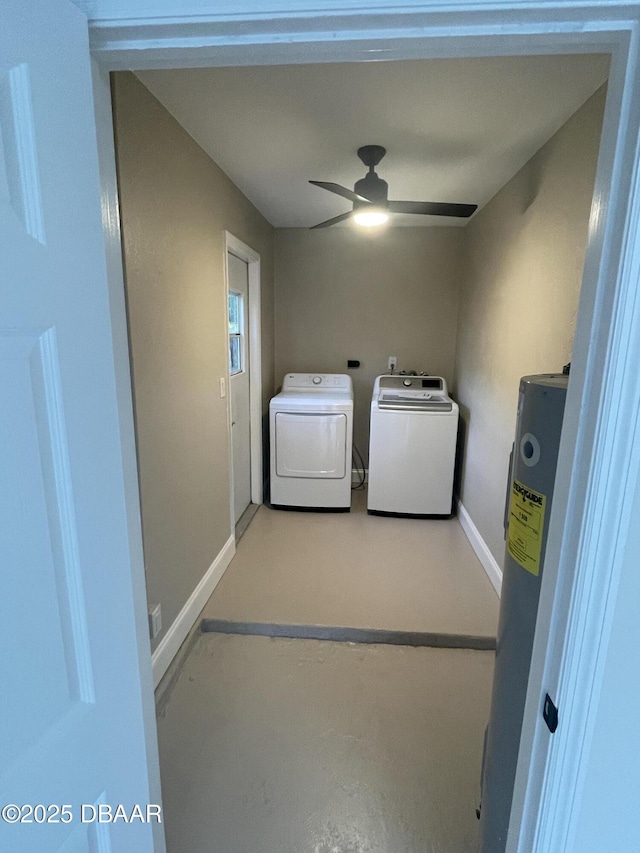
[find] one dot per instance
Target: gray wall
(176, 204)
(521, 284)
(345, 293)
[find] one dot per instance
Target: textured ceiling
(455, 129)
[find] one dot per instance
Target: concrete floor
(356, 570)
(306, 746)
(301, 746)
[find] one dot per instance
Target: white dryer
(412, 446)
(311, 432)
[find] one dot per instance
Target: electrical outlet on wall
(393, 363)
(155, 621)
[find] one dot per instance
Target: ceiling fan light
(371, 217)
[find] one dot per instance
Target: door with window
(239, 356)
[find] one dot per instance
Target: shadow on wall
(463, 421)
(534, 179)
(266, 456)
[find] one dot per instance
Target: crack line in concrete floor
(339, 634)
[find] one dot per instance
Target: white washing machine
(412, 446)
(311, 431)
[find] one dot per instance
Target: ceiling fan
(369, 196)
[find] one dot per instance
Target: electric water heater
(528, 506)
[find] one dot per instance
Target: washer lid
(415, 402)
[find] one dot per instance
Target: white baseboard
(184, 621)
(478, 544)
(356, 475)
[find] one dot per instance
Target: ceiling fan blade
(432, 208)
(333, 221)
(338, 190)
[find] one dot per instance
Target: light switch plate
(223, 387)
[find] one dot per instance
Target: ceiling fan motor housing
(373, 188)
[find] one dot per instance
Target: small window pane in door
(234, 313)
(235, 354)
(236, 322)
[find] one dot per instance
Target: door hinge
(550, 714)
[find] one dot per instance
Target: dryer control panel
(317, 382)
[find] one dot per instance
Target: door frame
(254, 322)
(114, 263)
(599, 462)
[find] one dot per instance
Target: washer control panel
(413, 383)
(412, 393)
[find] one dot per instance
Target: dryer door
(311, 445)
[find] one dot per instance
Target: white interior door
(239, 355)
(72, 728)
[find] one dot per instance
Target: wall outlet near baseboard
(155, 621)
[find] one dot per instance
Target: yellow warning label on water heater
(526, 524)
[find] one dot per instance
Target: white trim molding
(185, 620)
(148, 34)
(115, 273)
(489, 562)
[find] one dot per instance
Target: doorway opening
(578, 393)
(323, 280)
